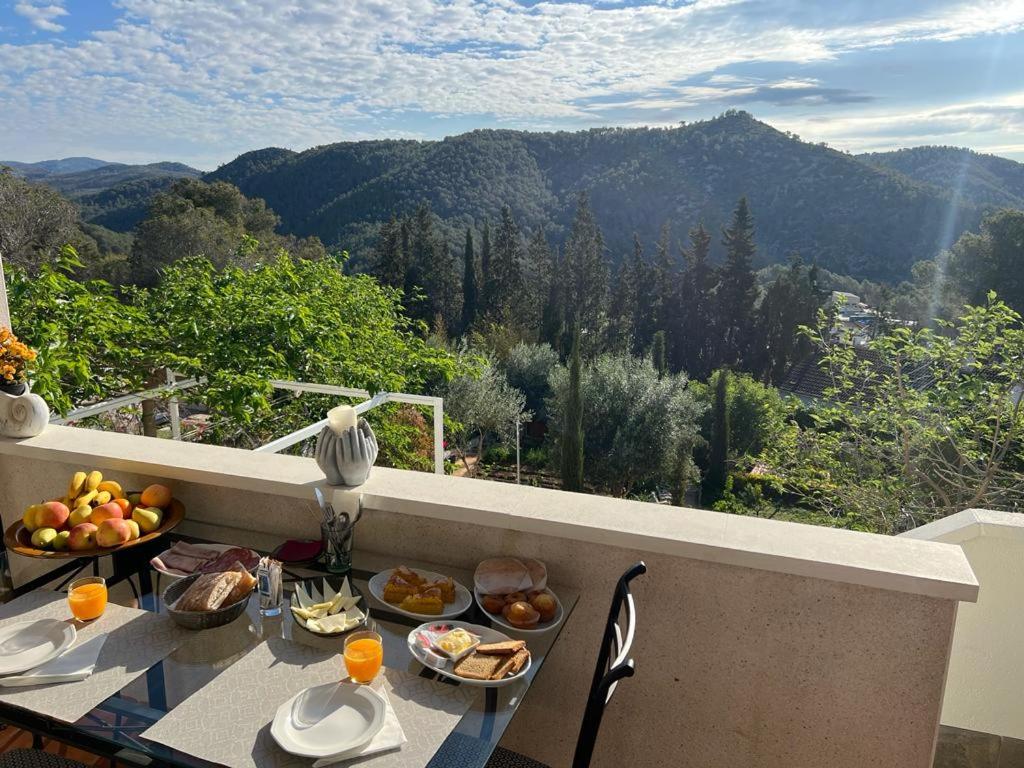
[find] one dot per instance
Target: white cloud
(212, 78)
(42, 16)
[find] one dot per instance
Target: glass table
(113, 728)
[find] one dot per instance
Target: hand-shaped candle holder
(346, 459)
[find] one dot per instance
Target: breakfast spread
(412, 592)
(516, 590)
(95, 512)
(212, 591)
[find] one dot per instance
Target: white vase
(24, 415)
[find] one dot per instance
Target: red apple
(83, 536)
(108, 511)
(113, 532)
(52, 514)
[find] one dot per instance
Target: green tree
(571, 435)
(485, 266)
(539, 276)
(505, 273)
(528, 368)
(552, 320)
(789, 303)
(927, 423)
(390, 259)
(586, 273)
(694, 344)
(993, 259)
(469, 283)
(718, 453)
(34, 221)
(658, 357)
(737, 288)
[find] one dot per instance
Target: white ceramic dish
(541, 627)
(463, 599)
(328, 719)
(443, 666)
(27, 644)
(312, 591)
(218, 548)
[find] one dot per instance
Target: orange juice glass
(364, 654)
(88, 597)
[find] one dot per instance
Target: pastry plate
(218, 548)
(463, 599)
(328, 719)
(542, 626)
(435, 661)
(27, 644)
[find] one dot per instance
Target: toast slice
(510, 665)
(478, 667)
(506, 648)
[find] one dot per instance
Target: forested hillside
(851, 216)
(986, 179)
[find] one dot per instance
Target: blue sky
(201, 81)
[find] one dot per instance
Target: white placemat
(135, 641)
(228, 720)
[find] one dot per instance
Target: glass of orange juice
(88, 597)
(364, 653)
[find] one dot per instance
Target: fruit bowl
(17, 538)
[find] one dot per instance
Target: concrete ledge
(907, 564)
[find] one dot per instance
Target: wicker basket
(200, 619)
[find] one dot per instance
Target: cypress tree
(469, 297)
(572, 431)
(695, 343)
(658, 354)
(643, 298)
(737, 287)
(539, 275)
(485, 267)
(586, 272)
(389, 257)
(552, 318)
(504, 278)
(718, 453)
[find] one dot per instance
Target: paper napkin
(390, 736)
(76, 663)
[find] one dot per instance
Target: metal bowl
(200, 619)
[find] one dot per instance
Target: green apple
(60, 543)
(43, 537)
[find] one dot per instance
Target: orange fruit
(156, 495)
(125, 505)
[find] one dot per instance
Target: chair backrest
(613, 663)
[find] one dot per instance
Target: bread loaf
(244, 587)
(208, 592)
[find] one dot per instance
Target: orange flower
(14, 356)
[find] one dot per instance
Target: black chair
(613, 664)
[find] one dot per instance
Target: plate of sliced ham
(183, 559)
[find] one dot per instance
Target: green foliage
(569, 417)
(585, 274)
(925, 425)
(469, 284)
(790, 302)
(90, 345)
(639, 430)
(528, 368)
(658, 357)
(734, 299)
(34, 221)
(992, 259)
(718, 453)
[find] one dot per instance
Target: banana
(93, 480)
(102, 497)
(112, 487)
(85, 498)
(76, 485)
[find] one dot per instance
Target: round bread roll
(502, 575)
(538, 574)
(522, 615)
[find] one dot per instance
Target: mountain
(985, 179)
(37, 171)
(865, 216)
(112, 195)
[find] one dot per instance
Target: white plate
(463, 599)
(218, 548)
(441, 665)
(542, 626)
(328, 719)
(27, 644)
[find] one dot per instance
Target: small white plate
(328, 719)
(440, 664)
(463, 599)
(27, 644)
(542, 626)
(218, 548)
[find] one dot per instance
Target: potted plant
(15, 358)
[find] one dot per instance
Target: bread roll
(501, 575)
(208, 592)
(244, 587)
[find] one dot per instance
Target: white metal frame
(172, 386)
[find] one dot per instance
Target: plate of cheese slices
(323, 608)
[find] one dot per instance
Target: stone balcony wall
(761, 644)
